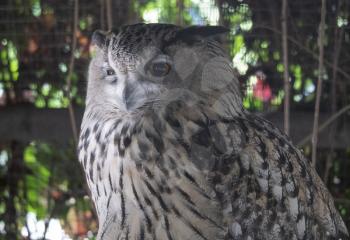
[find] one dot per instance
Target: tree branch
(179, 13)
(109, 14)
(102, 14)
(70, 73)
(49, 202)
(338, 36)
(325, 124)
(306, 49)
(286, 68)
(319, 83)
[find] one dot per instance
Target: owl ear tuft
(99, 38)
(193, 33)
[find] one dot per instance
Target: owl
(170, 153)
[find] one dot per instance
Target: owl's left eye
(110, 72)
(160, 69)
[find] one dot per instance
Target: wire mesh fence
(36, 46)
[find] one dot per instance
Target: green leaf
(29, 154)
(238, 44)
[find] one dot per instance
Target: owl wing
(267, 188)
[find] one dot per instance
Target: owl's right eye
(159, 66)
(160, 69)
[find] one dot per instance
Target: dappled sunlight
(36, 229)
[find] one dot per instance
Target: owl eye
(110, 72)
(110, 76)
(160, 69)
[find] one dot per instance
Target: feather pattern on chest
(186, 173)
(143, 180)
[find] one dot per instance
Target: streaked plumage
(177, 157)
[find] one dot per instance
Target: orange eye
(160, 69)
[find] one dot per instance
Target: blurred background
(44, 55)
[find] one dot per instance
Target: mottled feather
(177, 157)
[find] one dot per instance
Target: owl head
(145, 66)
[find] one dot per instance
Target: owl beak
(129, 97)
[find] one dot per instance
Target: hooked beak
(132, 96)
(128, 96)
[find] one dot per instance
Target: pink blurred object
(262, 90)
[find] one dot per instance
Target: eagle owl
(170, 153)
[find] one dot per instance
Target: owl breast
(144, 184)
